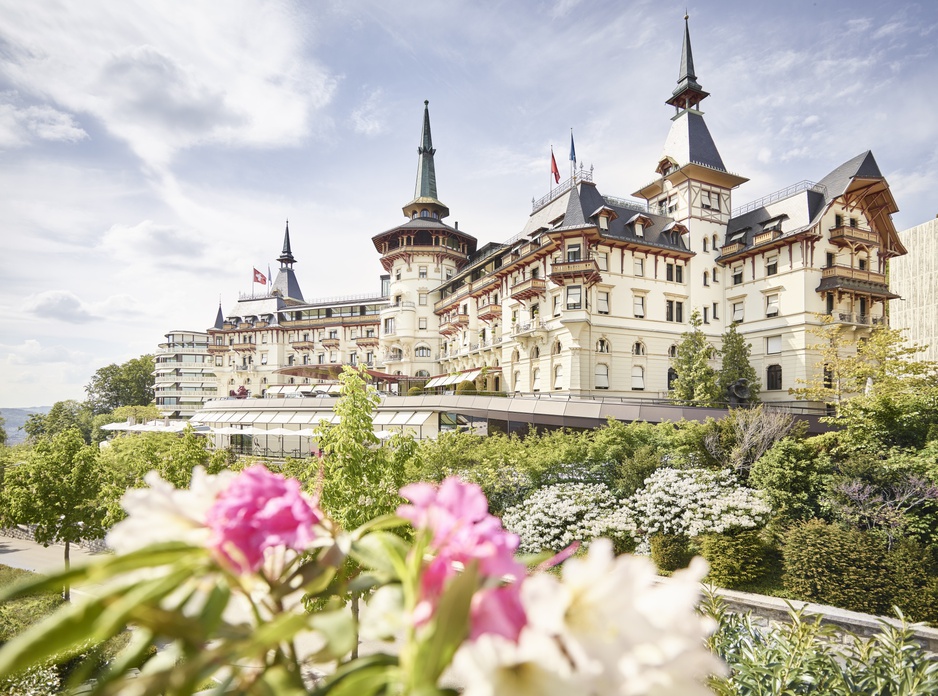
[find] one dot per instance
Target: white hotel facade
(592, 295)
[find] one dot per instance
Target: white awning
(435, 382)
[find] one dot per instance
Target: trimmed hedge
(670, 552)
(735, 558)
(466, 387)
(843, 567)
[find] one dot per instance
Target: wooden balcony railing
(529, 288)
(853, 273)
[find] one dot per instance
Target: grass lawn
(17, 614)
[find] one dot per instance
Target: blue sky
(151, 151)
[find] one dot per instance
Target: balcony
(846, 235)
(397, 307)
(303, 344)
(859, 319)
(483, 285)
(528, 327)
(449, 328)
(217, 348)
(730, 249)
(575, 272)
(489, 311)
(330, 343)
(526, 289)
(853, 274)
(244, 347)
(766, 237)
(450, 300)
(460, 320)
(392, 357)
(366, 341)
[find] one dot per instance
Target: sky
(150, 152)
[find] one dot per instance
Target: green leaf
(382, 552)
(312, 577)
(450, 626)
(378, 524)
(338, 629)
(344, 680)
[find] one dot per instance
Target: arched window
(706, 244)
(558, 376)
(424, 213)
(536, 380)
(517, 380)
(601, 376)
(514, 356)
(672, 375)
(672, 351)
(715, 243)
(773, 377)
(706, 278)
(557, 348)
(422, 352)
(602, 346)
(638, 348)
(535, 353)
(638, 378)
(422, 373)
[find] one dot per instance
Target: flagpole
(550, 179)
(572, 159)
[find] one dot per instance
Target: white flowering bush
(556, 516)
(36, 681)
(692, 502)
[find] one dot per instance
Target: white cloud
(32, 352)
(21, 126)
(60, 305)
(157, 245)
(369, 117)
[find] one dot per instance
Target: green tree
(57, 489)
(734, 365)
(792, 476)
(128, 384)
(883, 363)
(696, 383)
(3, 432)
(63, 416)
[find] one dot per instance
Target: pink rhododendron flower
(257, 511)
(456, 515)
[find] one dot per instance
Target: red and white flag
(553, 167)
(259, 277)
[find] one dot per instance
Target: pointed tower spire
(219, 319)
(688, 93)
(425, 195)
(286, 256)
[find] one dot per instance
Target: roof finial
(286, 256)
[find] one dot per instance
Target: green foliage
(670, 552)
(792, 475)
(17, 614)
(3, 432)
(360, 478)
(828, 564)
(913, 582)
(415, 391)
(734, 365)
(128, 384)
(736, 558)
(63, 416)
(466, 387)
(883, 420)
(696, 383)
(804, 656)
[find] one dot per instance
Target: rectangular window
(670, 273)
(556, 305)
(678, 274)
(706, 315)
(333, 333)
(861, 264)
(422, 271)
(263, 358)
(573, 252)
(219, 361)
(389, 325)
(715, 313)
(771, 266)
(771, 305)
(449, 273)
(639, 267)
(321, 358)
(602, 260)
(574, 297)
(706, 279)
(422, 298)
(773, 378)
(674, 311)
(773, 345)
(738, 311)
(737, 275)
(305, 358)
(352, 358)
(638, 306)
(602, 302)
(422, 323)
(830, 260)
(638, 378)
(333, 356)
(705, 200)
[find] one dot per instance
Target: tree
(58, 490)
(63, 416)
(883, 363)
(734, 364)
(129, 384)
(696, 383)
(744, 435)
(3, 432)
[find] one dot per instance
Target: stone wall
(26, 532)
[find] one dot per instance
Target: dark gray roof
(219, 319)
(424, 223)
(583, 202)
(686, 77)
(286, 256)
(857, 285)
(806, 206)
(287, 285)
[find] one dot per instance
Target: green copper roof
(425, 190)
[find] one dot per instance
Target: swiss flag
(259, 277)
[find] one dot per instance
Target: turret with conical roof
(286, 284)
(426, 203)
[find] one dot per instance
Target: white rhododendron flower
(163, 513)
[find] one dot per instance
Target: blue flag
(270, 278)
(572, 148)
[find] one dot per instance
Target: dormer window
(639, 229)
(603, 222)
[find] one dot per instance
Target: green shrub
(670, 552)
(415, 391)
(842, 567)
(466, 387)
(915, 588)
(735, 558)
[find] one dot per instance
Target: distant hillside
(16, 418)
